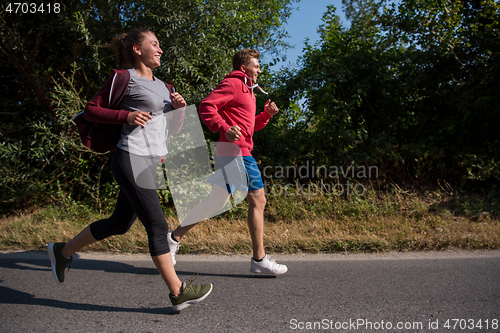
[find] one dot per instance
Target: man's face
(252, 69)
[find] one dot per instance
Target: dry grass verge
(395, 220)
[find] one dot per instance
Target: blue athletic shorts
(253, 173)
(239, 173)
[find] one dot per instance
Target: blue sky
(304, 23)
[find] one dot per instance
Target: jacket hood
(238, 74)
(246, 80)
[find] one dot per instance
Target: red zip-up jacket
(231, 103)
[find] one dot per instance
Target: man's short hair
(243, 57)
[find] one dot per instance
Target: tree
(409, 87)
(53, 63)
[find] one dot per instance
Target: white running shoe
(173, 245)
(267, 266)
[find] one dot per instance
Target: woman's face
(149, 51)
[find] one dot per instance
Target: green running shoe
(190, 294)
(58, 261)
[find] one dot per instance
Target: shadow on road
(12, 296)
(41, 263)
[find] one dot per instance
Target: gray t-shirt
(149, 96)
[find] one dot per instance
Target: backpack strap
(170, 87)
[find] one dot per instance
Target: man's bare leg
(261, 263)
(256, 204)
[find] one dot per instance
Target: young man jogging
(231, 110)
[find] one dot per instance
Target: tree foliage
(51, 64)
(408, 87)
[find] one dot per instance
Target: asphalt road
(394, 292)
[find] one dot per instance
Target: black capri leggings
(134, 201)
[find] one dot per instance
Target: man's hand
(177, 100)
(271, 108)
(138, 118)
(233, 133)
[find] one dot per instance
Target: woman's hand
(139, 118)
(177, 100)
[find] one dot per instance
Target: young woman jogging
(136, 99)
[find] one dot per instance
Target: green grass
(389, 220)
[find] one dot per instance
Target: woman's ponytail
(117, 46)
(123, 45)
